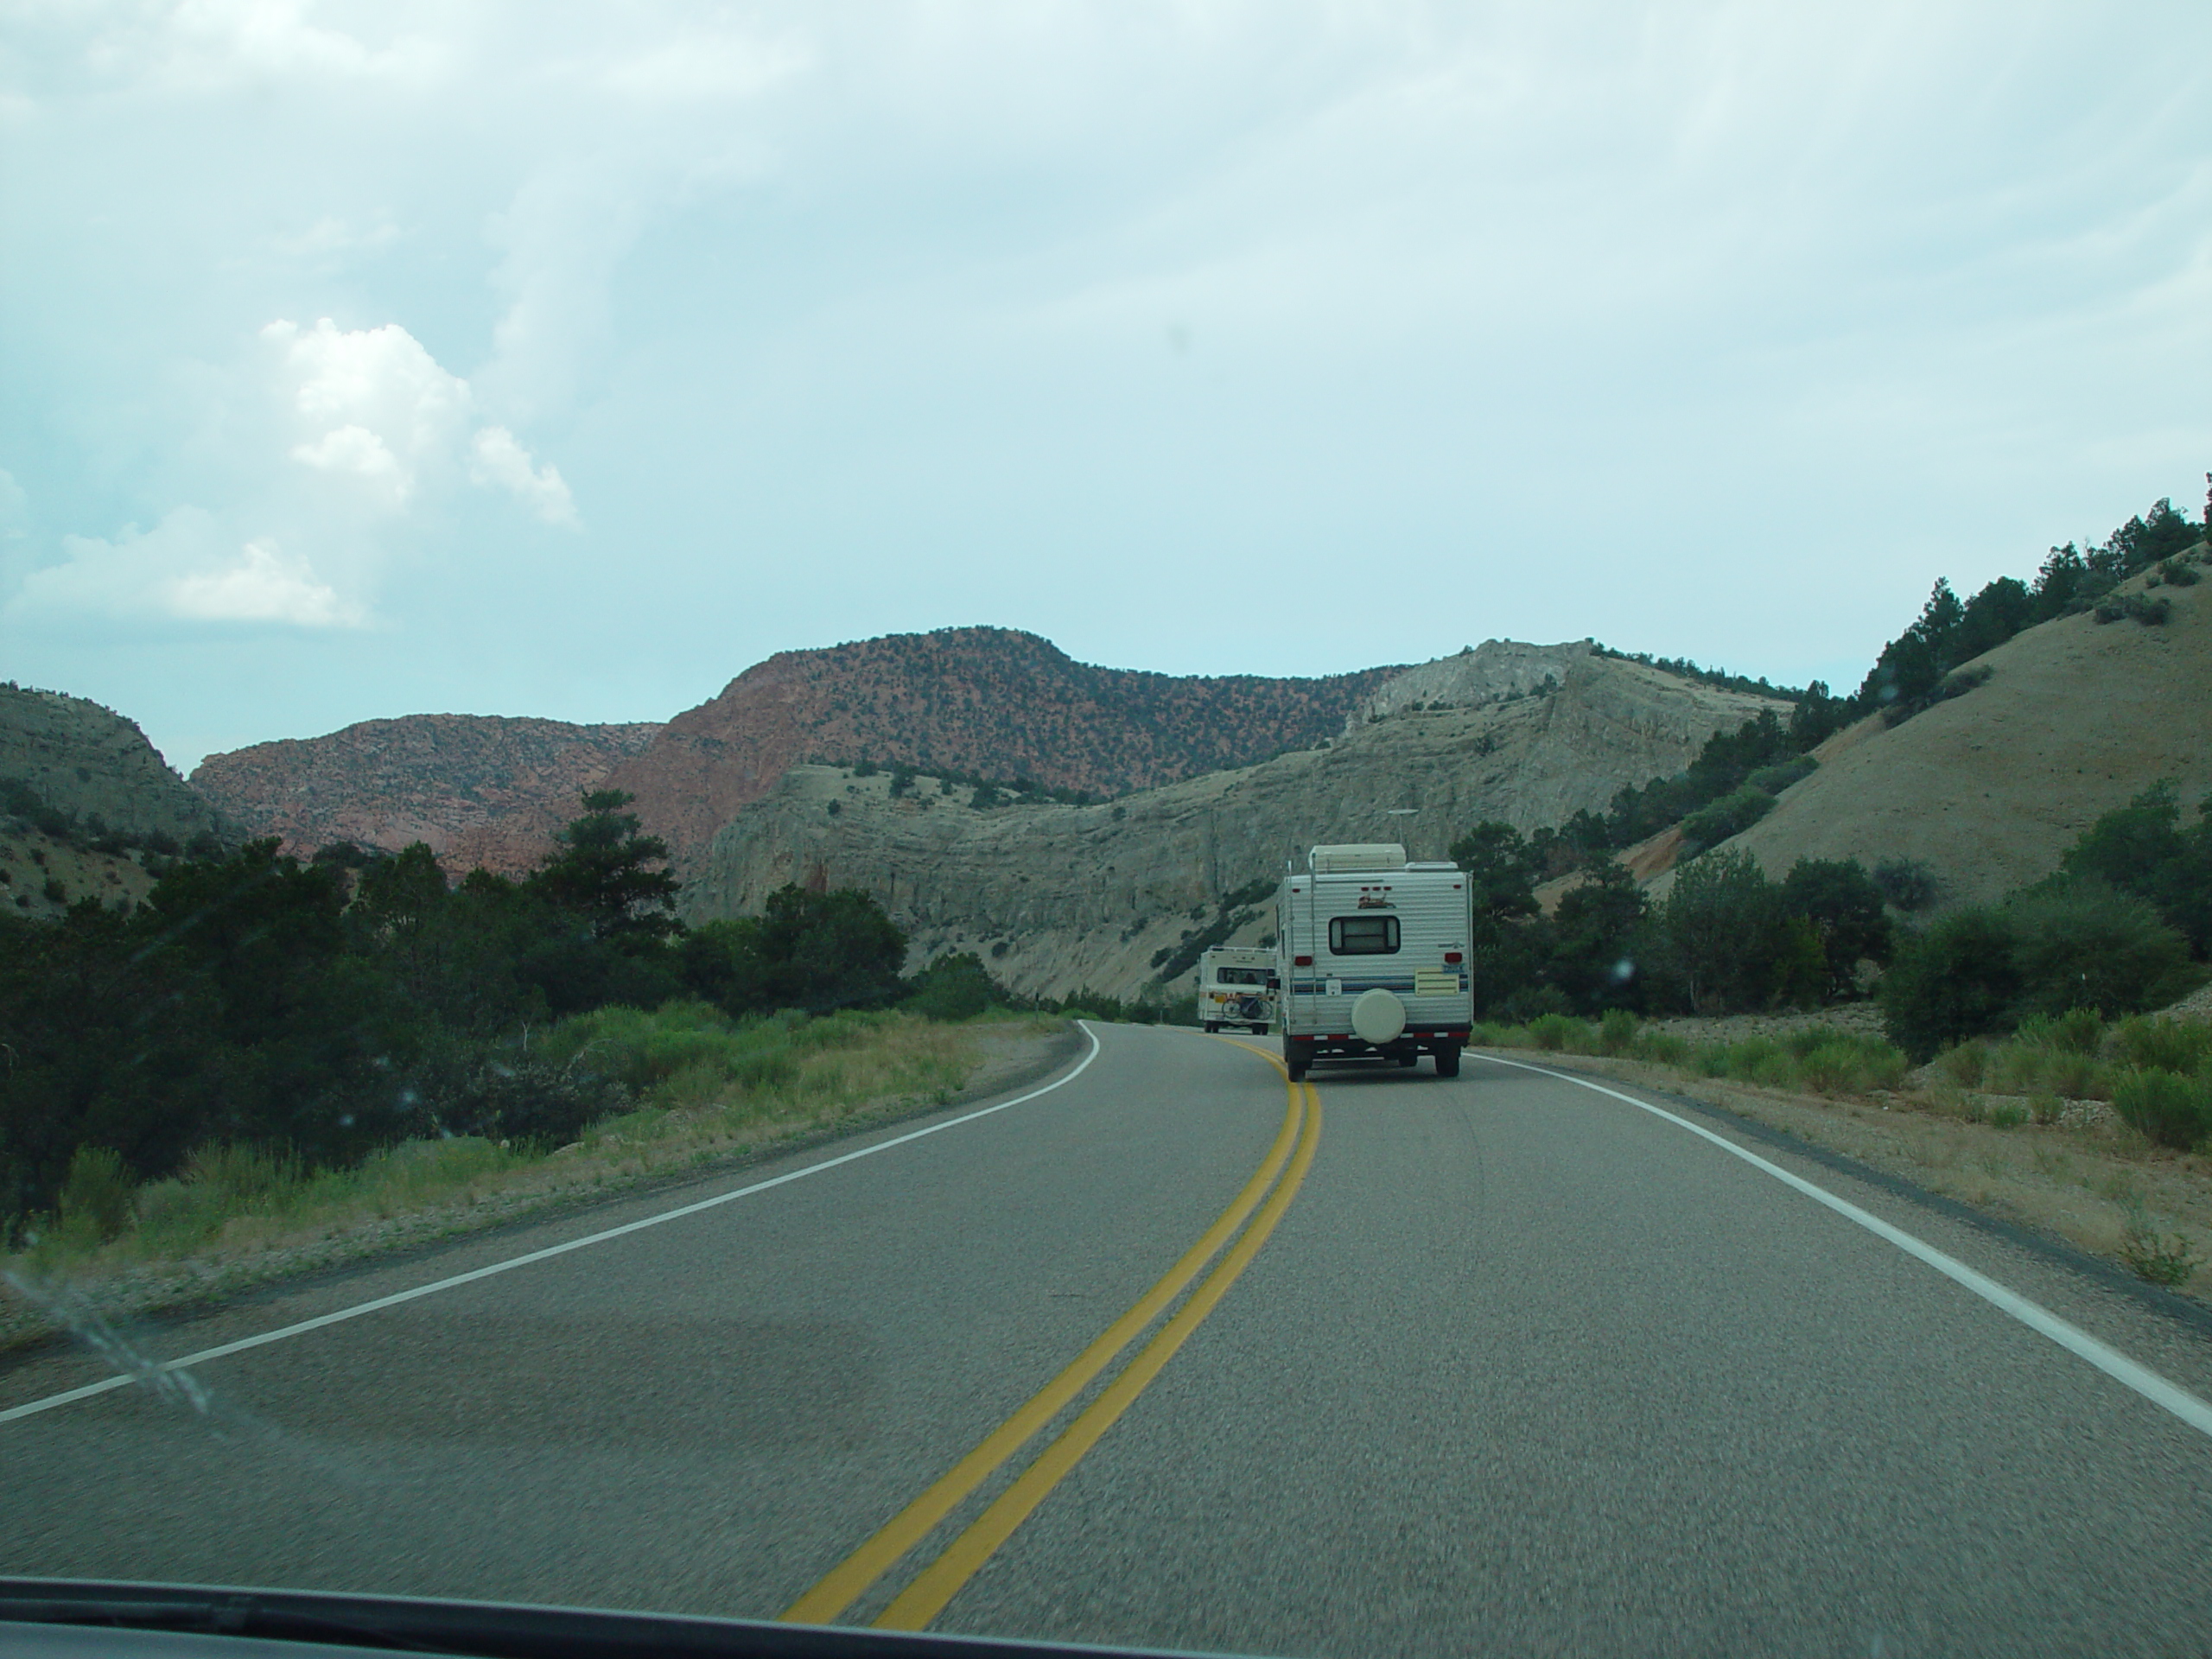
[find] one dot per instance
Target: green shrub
(1732, 814)
(1532, 1002)
(1661, 1047)
(1776, 778)
(2161, 1258)
(236, 1178)
(1908, 884)
(955, 987)
(2140, 608)
(2078, 1031)
(1500, 1036)
(1763, 1060)
(1615, 1031)
(1556, 1032)
(2026, 1066)
(1711, 1059)
(2007, 1115)
(1850, 1066)
(2178, 1046)
(1965, 1065)
(2165, 1106)
(2083, 945)
(95, 1197)
(1959, 979)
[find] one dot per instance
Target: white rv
(1233, 987)
(1371, 958)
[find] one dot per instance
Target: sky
(364, 361)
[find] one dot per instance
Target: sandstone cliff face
(482, 791)
(1059, 898)
(91, 762)
(988, 701)
(1492, 672)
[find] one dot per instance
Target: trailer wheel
(1447, 1061)
(1212, 1025)
(1297, 1070)
(1412, 1058)
(1259, 1031)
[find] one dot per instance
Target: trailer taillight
(1301, 961)
(1452, 956)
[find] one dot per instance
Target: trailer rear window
(1364, 936)
(1240, 977)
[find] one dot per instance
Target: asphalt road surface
(1388, 1366)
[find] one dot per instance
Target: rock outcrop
(1058, 897)
(481, 790)
(991, 702)
(90, 763)
(1496, 670)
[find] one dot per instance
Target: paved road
(1502, 1364)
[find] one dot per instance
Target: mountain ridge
(990, 702)
(1061, 898)
(483, 791)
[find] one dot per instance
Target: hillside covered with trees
(321, 1011)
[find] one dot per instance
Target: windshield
(1304, 829)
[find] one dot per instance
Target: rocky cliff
(1058, 898)
(89, 762)
(988, 701)
(480, 790)
(1494, 672)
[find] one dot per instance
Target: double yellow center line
(926, 1593)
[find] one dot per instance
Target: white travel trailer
(1371, 958)
(1234, 988)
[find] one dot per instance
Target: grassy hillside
(1987, 789)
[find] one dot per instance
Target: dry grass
(236, 1217)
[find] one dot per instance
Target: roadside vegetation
(684, 1085)
(2028, 1022)
(266, 1050)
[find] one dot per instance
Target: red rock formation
(481, 790)
(990, 701)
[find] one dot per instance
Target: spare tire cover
(1378, 1016)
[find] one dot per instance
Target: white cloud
(356, 449)
(217, 46)
(377, 404)
(187, 569)
(380, 413)
(496, 458)
(266, 585)
(706, 65)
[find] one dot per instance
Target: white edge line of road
(2145, 1381)
(48, 1403)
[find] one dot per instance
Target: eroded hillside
(480, 790)
(1062, 897)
